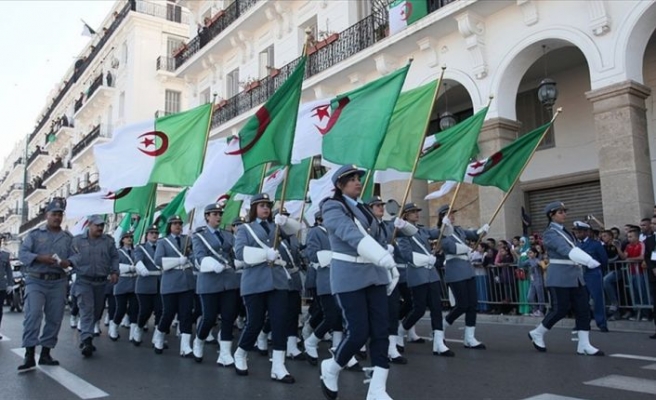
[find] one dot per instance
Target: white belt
(154, 273)
(346, 257)
(401, 266)
(558, 261)
(129, 275)
(458, 256)
(183, 267)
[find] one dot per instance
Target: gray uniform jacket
(457, 269)
(43, 241)
(261, 277)
(419, 275)
(289, 246)
(347, 276)
(174, 280)
(146, 284)
(94, 258)
(557, 247)
(317, 240)
(6, 273)
(126, 282)
(387, 232)
(211, 282)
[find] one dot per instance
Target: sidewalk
(568, 323)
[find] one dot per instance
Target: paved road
(509, 369)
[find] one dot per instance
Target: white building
(602, 54)
(123, 76)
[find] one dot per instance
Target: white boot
(241, 361)
(337, 339)
(584, 346)
(312, 348)
(79, 324)
(96, 329)
(292, 348)
(240, 323)
(353, 364)
(439, 348)
(377, 386)
(210, 339)
(413, 337)
(537, 337)
(105, 320)
(263, 344)
(125, 322)
(307, 330)
(470, 340)
(113, 331)
(133, 328)
(329, 377)
(393, 353)
(158, 341)
(198, 349)
(278, 371)
(73, 321)
(225, 353)
(400, 336)
(185, 348)
(138, 335)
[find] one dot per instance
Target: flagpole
(419, 150)
(507, 194)
(149, 211)
(307, 186)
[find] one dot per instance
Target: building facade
(601, 55)
(124, 75)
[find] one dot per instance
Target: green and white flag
(175, 207)
(405, 12)
(129, 200)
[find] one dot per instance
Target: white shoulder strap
(323, 229)
(289, 253)
(421, 246)
(257, 239)
(564, 237)
(209, 247)
(147, 255)
(457, 238)
(173, 247)
(126, 254)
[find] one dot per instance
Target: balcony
(213, 27)
(55, 170)
(36, 187)
(97, 97)
(38, 154)
(88, 188)
(15, 186)
(34, 222)
(165, 63)
(170, 12)
(16, 212)
(98, 133)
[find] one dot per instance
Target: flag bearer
(126, 300)
(147, 286)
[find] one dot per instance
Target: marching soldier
(264, 284)
(147, 285)
(6, 279)
(359, 277)
(44, 253)
(95, 258)
(459, 273)
(178, 283)
(565, 282)
(126, 300)
(217, 284)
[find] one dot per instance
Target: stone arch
(517, 61)
(634, 34)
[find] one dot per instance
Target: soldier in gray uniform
(6, 279)
(359, 276)
(217, 283)
(126, 300)
(315, 314)
(95, 258)
(423, 279)
(459, 273)
(265, 284)
(178, 285)
(44, 253)
(565, 282)
(147, 285)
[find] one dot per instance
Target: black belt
(93, 278)
(48, 276)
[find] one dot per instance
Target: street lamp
(447, 120)
(547, 90)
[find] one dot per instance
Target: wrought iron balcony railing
(96, 132)
(35, 154)
(165, 63)
(33, 222)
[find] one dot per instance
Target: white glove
(10, 290)
(593, 263)
(132, 268)
(400, 223)
(394, 279)
(446, 221)
(280, 219)
(141, 269)
(483, 229)
(272, 255)
(182, 260)
(218, 268)
(387, 261)
(390, 249)
(431, 261)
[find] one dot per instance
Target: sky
(42, 40)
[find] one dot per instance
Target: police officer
(147, 285)
(95, 258)
(359, 275)
(459, 273)
(44, 254)
(565, 281)
(593, 277)
(126, 300)
(265, 284)
(178, 285)
(314, 315)
(6, 279)
(216, 285)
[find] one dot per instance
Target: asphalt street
(509, 369)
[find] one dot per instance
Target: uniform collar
(351, 201)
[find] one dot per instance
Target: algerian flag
(230, 212)
(80, 226)
(175, 207)
(124, 226)
(87, 30)
(311, 125)
(268, 136)
(502, 168)
(359, 121)
(405, 12)
(167, 150)
(297, 179)
(443, 190)
(132, 200)
(449, 156)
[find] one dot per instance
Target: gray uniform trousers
(91, 302)
(40, 296)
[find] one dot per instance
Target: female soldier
(126, 300)
(147, 286)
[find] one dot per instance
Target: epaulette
(201, 229)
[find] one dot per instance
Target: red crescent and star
(149, 141)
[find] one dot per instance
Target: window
(232, 83)
(124, 53)
(172, 44)
(172, 102)
(173, 12)
(266, 60)
(532, 114)
(205, 96)
(121, 105)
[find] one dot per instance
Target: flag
(129, 200)
(167, 150)
(51, 137)
(87, 30)
(175, 207)
(406, 129)
(405, 12)
(448, 158)
(80, 226)
(359, 121)
(297, 178)
(502, 168)
(268, 136)
(443, 190)
(311, 124)
(230, 212)
(124, 226)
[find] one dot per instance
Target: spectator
(503, 263)
(650, 260)
(634, 254)
(645, 229)
(613, 247)
(536, 269)
(520, 254)
(480, 272)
